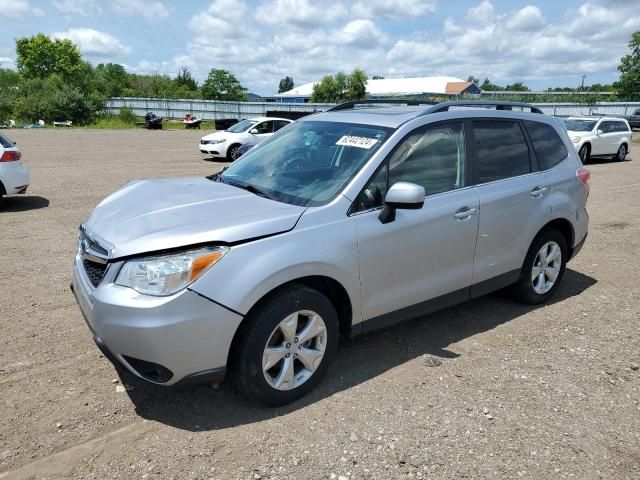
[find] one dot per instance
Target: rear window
(547, 144)
(501, 149)
(5, 142)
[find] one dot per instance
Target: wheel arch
(565, 227)
(331, 288)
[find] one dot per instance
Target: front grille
(95, 271)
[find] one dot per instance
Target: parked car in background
(634, 119)
(342, 223)
(599, 137)
(14, 175)
(226, 144)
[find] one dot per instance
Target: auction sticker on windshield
(359, 142)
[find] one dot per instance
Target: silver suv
(341, 223)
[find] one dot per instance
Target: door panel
(421, 255)
(511, 213)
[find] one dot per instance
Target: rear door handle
(538, 192)
(465, 213)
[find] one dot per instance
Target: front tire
(543, 268)
(287, 346)
(234, 152)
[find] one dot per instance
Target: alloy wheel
(295, 350)
(546, 267)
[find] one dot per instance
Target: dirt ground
(522, 392)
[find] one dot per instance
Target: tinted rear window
(5, 142)
(502, 150)
(547, 144)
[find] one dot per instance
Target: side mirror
(253, 131)
(599, 132)
(404, 196)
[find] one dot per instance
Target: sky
(543, 43)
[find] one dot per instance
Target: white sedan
(226, 144)
(14, 176)
(599, 137)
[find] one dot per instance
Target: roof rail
(353, 103)
(499, 105)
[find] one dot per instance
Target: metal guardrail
(215, 110)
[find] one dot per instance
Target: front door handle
(538, 192)
(465, 213)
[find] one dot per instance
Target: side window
(264, 127)
(432, 156)
(501, 149)
(549, 148)
(606, 127)
(279, 124)
(372, 196)
(621, 127)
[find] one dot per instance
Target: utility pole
(582, 84)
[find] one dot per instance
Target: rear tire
(543, 268)
(621, 154)
(286, 346)
(585, 153)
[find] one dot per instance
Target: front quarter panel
(324, 242)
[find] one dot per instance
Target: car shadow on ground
(20, 203)
(205, 407)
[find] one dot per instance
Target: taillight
(10, 156)
(584, 176)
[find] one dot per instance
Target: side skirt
(439, 303)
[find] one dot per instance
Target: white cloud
(95, 44)
(299, 13)
(527, 19)
(78, 7)
(359, 33)
(393, 9)
(18, 8)
(149, 10)
(6, 62)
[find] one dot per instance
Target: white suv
(599, 137)
(226, 144)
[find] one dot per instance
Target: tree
(340, 87)
(39, 57)
(473, 79)
(186, 80)
(111, 79)
(223, 85)
(517, 87)
(629, 84)
(488, 86)
(285, 84)
(377, 77)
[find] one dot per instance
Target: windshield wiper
(248, 187)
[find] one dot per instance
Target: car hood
(152, 215)
(219, 135)
(578, 133)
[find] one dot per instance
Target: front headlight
(575, 139)
(168, 274)
(213, 142)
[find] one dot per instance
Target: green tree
(40, 56)
(111, 79)
(185, 80)
(285, 84)
(377, 77)
(223, 85)
(340, 87)
(473, 79)
(517, 87)
(629, 84)
(489, 86)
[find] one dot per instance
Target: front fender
(251, 270)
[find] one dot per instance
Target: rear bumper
(15, 177)
(183, 338)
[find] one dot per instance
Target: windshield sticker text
(359, 142)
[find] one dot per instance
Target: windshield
(307, 163)
(580, 125)
(241, 126)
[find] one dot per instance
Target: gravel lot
(547, 392)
